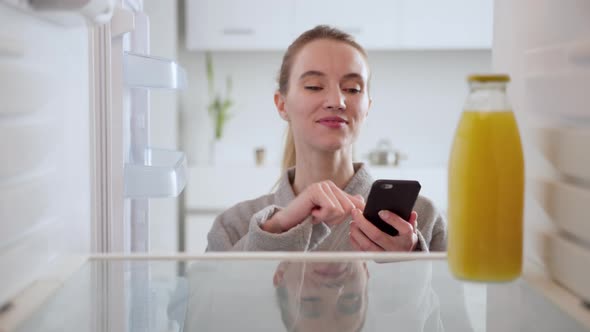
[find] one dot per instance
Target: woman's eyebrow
(311, 73)
(353, 76)
(349, 76)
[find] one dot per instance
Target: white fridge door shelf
(566, 149)
(557, 78)
(142, 71)
(566, 204)
(567, 263)
(558, 58)
(560, 94)
(162, 175)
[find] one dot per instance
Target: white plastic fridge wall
(44, 146)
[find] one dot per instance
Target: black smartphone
(397, 196)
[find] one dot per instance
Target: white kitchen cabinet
(238, 25)
(374, 23)
(434, 24)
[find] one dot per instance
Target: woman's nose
(335, 100)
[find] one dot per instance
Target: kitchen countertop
(321, 292)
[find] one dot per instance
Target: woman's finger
(365, 244)
(334, 216)
(342, 198)
(323, 202)
(371, 231)
(358, 201)
(330, 194)
(402, 226)
(353, 243)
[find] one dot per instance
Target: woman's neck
(336, 167)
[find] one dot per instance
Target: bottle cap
(488, 78)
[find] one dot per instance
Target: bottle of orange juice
(486, 186)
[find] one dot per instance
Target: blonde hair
(319, 32)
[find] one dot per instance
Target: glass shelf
(278, 294)
(142, 71)
(163, 174)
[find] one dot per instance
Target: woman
(323, 95)
(322, 296)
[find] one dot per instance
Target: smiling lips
(333, 122)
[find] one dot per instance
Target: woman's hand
(323, 200)
(365, 236)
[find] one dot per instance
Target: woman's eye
(353, 90)
(350, 303)
(313, 88)
(311, 307)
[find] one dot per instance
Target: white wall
(417, 100)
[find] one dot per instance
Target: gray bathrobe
(238, 228)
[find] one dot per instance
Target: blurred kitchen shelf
(162, 175)
(142, 71)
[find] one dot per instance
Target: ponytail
(289, 152)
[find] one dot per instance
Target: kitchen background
(72, 97)
(418, 87)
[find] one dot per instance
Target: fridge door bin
(566, 149)
(556, 79)
(566, 205)
(562, 94)
(567, 263)
(142, 71)
(558, 58)
(163, 174)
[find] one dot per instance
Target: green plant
(219, 105)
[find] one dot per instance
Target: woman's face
(327, 99)
(323, 296)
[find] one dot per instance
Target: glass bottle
(486, 186)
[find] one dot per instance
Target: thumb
(414, 220)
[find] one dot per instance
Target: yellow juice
(486, 193)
